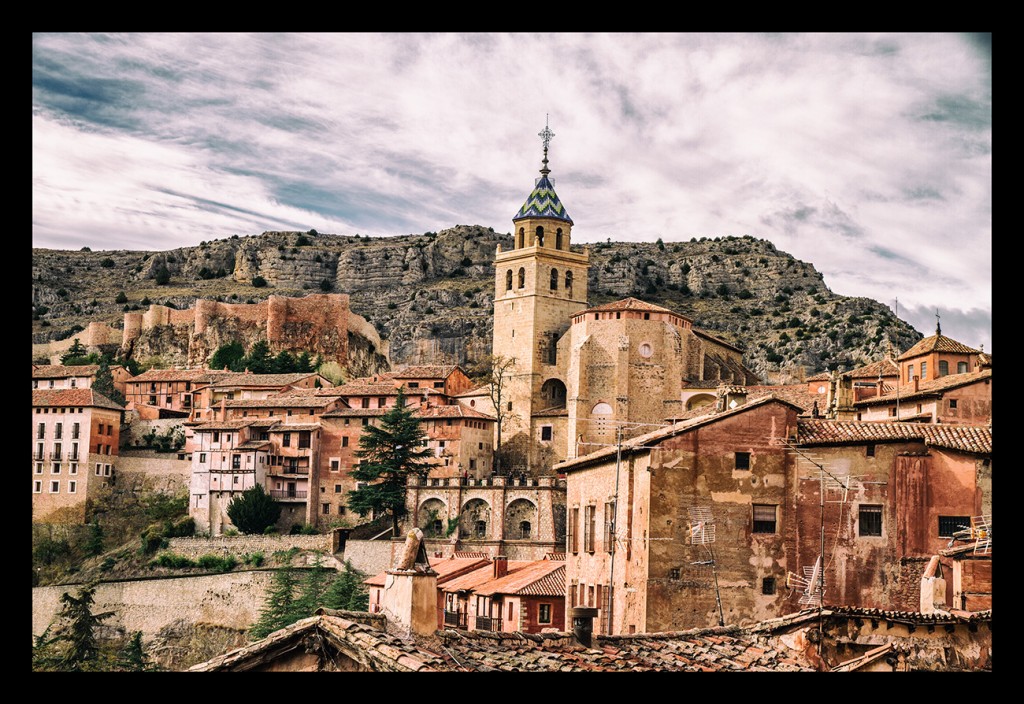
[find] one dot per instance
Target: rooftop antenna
(701, 529)
(981, 533)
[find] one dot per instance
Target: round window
(821, 389)
(646, 350)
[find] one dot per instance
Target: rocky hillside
(431, 295)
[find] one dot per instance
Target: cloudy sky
(866, 155)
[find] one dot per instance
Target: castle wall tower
(539, 284)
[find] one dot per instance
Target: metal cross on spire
(546, 134)
(938, 328)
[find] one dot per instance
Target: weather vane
(546, 134)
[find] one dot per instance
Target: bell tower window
(554, 279)
(522, 277)
(508, 280)
(540, 236)
(522, 238)
(558, 238)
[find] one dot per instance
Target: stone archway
(553, 393)
(521, 520)
(475, 520)
(699, 401)
(432, 518)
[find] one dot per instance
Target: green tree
(94, 540)
(278, 608)
(253, 511)
(283, 363)
(314, 589)
(230, 355)
(304, 363)
(132, 657)
(122, 297)
(390, 453)
(163, 275)
(76, 351)
(258, 282)
(347, 592)
(104, 383)
(259, 360)
(77, 634)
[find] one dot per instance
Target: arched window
(508, 280)
(522, 277)
(554, 279)
(540, 236)
(568, 282)
(943, 367)
(522, 238)
(558, 238)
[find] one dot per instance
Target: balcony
(455, 619)
(285, 470)
(283, 495)
(55, 456)
(488, 623)
(73, 457)
(38, 456)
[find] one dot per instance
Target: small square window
(54, 487)
(545, 433)
(37, 487)
(673, 573)
(39, 467)
(326, 509)
(768, 585)
(742, 460)
(952, 403)
(870, 520)
(869, 451)
(72, 486)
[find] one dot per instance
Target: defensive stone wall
(240, 544)
(371, 556)
(164, 472)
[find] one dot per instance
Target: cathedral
(581, 377)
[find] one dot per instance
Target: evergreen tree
(75, 354)
(133, 658)
(278, 608)
(390, 453)
(104, 382)
(230, 355)
(283, 363)
(81, 649)
(314, 589)
(253, 511)
(347, 592)
(259, 360)
(94, 541)
(304, 363)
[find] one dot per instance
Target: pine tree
(104, 383)
(278, 608)
(314, 588)
(390, 454)
(259, 360)
(78, 633)
(347, 592)
(230, 355)
(253, 511)
(304, 363)
(133, 658)
(75, 353)
(94, 541)
(283, 363)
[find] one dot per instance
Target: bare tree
(494, 372)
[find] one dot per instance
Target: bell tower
(539, 284)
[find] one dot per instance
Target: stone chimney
(933, 588)
(583, 625)
(223, 413)
(917, 382)
(500, 566)
(410, 590)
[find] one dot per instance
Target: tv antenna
(981, 533)
(701, 530)
(812, 584)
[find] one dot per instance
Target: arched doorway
(520, 520)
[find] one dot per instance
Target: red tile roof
(470, 580)
(72, 397)
(446, 568)
(966, 438)
(60, 371)
(453, 411)
(642, 442)
(426, 371)
(886, 367)
(354, 412)
(820, 376)
(931, 387)
(290, 427)
(223, 425)
(717, 340)
(630, 304)
(937, 343)
(525, 575)
(178, 375)
(280, 402)
(244, 379)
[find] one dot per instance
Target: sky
(866, 155)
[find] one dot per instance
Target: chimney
(500, 566)
(223, 411)
(583, 624)
(917, 381)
